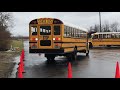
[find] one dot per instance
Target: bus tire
(87, 50)
(108, 45)
(50, 60)
(69, 56)
(74, 54)
(50, 57)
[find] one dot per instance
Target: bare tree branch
(5, 24)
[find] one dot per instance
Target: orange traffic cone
(22, 66)
(117, 74)
(23, 54)
(20, 72)
(69, 70)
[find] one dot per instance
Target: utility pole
(100, 20)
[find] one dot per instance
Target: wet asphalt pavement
(101, 63)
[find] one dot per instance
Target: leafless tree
(106, 27)
(94, 28)
(5, 24)
(114, 27)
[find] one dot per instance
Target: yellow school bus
(105, 39)
(54, 37)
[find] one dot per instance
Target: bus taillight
(34, 39)
(57, 39)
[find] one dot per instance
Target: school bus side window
(95, 36)
(34, 30)
(65, 31)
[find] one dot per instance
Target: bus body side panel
(105, 42)
(81, 44)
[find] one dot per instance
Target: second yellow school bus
(105, 39)
(54, 37)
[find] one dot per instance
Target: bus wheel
(74, 54)
(50, 58)
(108, 45)
(69, 57)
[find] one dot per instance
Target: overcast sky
(83, 19)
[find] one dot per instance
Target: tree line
(5, 35)
(105, 27)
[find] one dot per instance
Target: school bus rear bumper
(55, 51)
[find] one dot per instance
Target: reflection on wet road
(100, 63)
